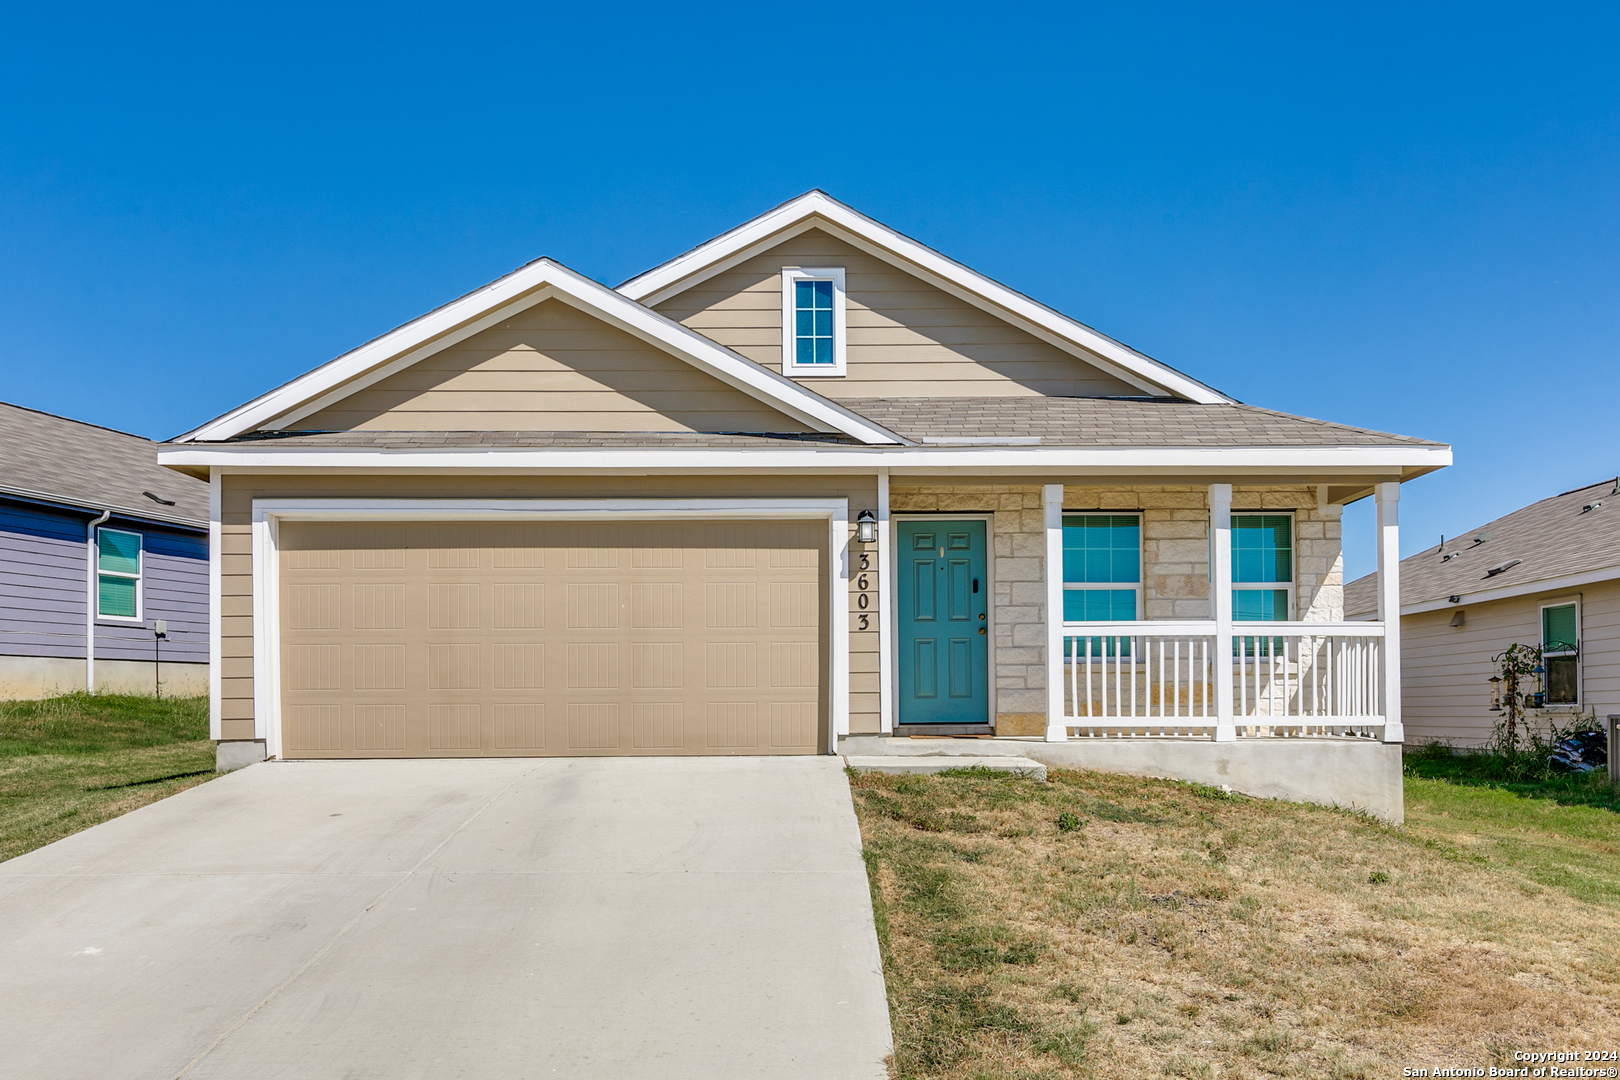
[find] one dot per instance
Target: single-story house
(1545, 575)
(103, 563)
(807, 484)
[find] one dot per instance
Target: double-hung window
(119, 562)
(1102, 572)
(1560, 652)
(812, 321)
(1262, 574)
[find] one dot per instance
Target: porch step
(897, 766)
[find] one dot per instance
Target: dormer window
(812, 321)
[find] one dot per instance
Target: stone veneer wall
(1175, 558)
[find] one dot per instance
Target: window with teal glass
(1102, 572)
(1262, 567)
(118, 565)
(813, 322)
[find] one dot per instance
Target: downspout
(91, 549)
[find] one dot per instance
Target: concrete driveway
(672, 917)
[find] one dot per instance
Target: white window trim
(139, 576)
(1580, 667)
(268, 514)
(791, 275)
(1113, 586)
(1293, 563)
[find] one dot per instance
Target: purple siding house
(103, 563)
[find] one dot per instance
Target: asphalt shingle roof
(61, 460)
(1074, 421)
(1050, 421)
(1549, 539)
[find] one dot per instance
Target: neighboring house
(99, 545)
(809, 482)
(1547, 575)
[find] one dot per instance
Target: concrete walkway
(671, 917)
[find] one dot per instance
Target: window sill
(818, 372)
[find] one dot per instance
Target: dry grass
(71, 762)
(1117, 927)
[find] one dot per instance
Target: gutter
(41, 498)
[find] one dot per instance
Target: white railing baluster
(1125, 679)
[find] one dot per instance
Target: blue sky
(1402, 218)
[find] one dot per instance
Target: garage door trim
(268, 514)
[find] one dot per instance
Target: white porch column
(1052, 502)
(1389, 607)
(886, 595)
(1220, 584)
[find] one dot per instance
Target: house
(1545, 575)
(803, 489)
(103, 563)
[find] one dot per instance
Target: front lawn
(1110, 926)
(71, 762)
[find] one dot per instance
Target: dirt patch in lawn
(1118, 927)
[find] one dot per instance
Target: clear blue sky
(1402, 217)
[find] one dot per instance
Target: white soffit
(540, 280)
(817, 209)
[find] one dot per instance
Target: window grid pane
(813, 322)
(1259, 605)
(1102, 549)
(1262, 548)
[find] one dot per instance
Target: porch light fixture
(866, 527)
(1496, 693)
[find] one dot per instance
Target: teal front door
(944, 635)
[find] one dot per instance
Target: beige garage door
(581, 638)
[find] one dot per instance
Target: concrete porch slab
(1356, 774)
(896, 765)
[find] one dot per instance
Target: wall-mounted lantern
(866, 527)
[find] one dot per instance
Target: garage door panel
(582, 638)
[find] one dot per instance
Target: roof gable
(550, 367)
(291, 405)
(905, 335)
(819, 211)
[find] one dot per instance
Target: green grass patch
(1110, 926)
(70, 762)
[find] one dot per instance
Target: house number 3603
(863, 598)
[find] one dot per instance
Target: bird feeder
(1496, 693)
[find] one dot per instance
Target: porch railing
(1160, 679)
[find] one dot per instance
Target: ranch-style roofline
(817, 209)
(541, 280)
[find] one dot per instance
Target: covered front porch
(1237, 672)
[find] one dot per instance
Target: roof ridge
(71, 420)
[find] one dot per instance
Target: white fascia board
(1013, 459)
(1506, 592)
(540, 280)
(677, 275)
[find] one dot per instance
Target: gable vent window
(119, 565)
(1560, 652)
(812, 321)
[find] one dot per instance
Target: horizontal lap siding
(1446, 670)
(236, 564)
(905, 337)
(550, 368)
(42, 585)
